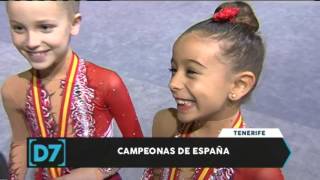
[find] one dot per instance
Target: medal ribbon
(204, 173)
(65, 105)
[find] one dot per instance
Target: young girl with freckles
(61, 95)
(215, 65)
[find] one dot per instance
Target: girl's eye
(191, 72)
(173, 70)
(18, 29)
(46, 28)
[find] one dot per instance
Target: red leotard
(99, 95)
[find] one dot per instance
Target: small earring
(233, 95)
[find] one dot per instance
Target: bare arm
(165, 124)
(17, 164)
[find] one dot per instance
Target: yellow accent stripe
(67, 100)
(173, 172)
(238, 124)
(53, 172)
(67, 96)
(205, 170)
(39, 116)
(37, 106)
(203, 173)
(59, 171)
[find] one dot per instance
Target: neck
(58, 69)
(212, 126)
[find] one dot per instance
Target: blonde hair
(72, 7)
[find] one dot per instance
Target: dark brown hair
(242, 46)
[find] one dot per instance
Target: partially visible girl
(215, 66)
(61, 95)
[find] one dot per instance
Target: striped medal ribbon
(204, 173)
(64, 109)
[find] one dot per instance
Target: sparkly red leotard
(99, 95)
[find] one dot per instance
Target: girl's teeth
(37, 54)
(182, 102)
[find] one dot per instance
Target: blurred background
(135, 39)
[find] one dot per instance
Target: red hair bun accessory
(226, 14)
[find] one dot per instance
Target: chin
(185, 118)
(40, 66)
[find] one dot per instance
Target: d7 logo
(46, 152)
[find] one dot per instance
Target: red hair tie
(226, 14)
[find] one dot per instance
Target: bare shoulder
(8, 86)
(165, 123)
(14, 87)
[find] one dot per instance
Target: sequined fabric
(98, 97)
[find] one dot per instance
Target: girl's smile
(38, 56)
(184, 105)
(200, 83)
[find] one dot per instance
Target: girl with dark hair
(215, 66)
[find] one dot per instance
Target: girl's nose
(33, 41)
(176, 82)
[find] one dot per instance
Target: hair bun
(226, 14)
(244, 15)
